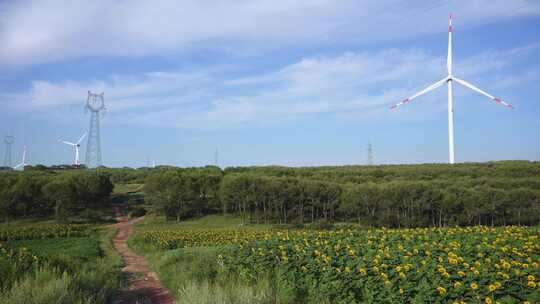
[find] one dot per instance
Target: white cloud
(53, 30)
(355, 85)
(123, 92)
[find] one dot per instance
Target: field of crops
(173, 239)
(427, 265)
(14, 262)
(25, 248)
(45, 231)
(43, 262)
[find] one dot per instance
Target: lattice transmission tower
(370, 154)
(8, 141)
(95, 104)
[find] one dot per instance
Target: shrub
(92, 216)
(137, 212)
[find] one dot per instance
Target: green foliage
(392, 196)
(92, 216)
(493, 193)
(423, 265)
(183, 193)
(67, 269)
(193, 275)
(13, 262)
(172, 239)
(29, 232)
(137, 212)
(37, 193)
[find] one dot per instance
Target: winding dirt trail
(144, 284)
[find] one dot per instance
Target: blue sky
(269, 82)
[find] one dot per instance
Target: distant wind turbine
(76, 145)
(449, 79)
(23, 163)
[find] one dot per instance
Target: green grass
(215, 221)
(74, 270)
(27, 222)
(192, 274)
(127, 188)
(193, 277)
(72, 249)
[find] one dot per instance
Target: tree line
(494, 193)
(34, 193)
(500, 193)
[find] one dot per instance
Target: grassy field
(192, 274)
(226, 221)
(425, 265)
(65, 269)
(127, 188)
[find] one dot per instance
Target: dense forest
(494, 193)
(34, 193)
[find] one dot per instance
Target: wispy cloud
(50, 30)
(343, 85)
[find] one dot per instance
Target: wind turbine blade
(18, 166)
(424, 91)
(80, 139)
(449, 58)
(67, 143)
(472, 87)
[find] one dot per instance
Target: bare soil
(144, 285)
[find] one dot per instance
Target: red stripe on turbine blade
(507, 105)
(497, 100)
(449, 28)
(405, 100)
(393, 107)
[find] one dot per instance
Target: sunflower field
(424, 265)
(13, 262)
(173, 239)
(46, 231)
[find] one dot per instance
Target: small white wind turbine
(76, 145)
(449, 79)
(23, 163)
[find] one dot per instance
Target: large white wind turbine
(449, 79)
(23, 163)
(76, 145)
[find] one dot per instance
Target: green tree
(62, 193)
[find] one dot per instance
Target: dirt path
(144, 284)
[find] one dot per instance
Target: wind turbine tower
(75, 145)
(23, 163)
(450, 80)
(8, 141)
(96, 105)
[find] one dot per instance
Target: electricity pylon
(96, 105)
(370, 155)
(8, 141)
